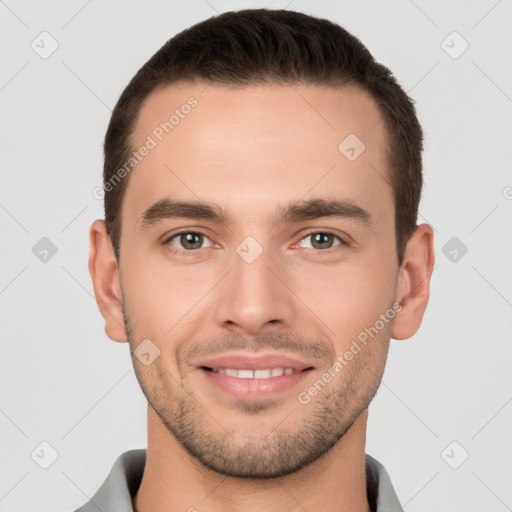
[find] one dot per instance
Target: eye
(320, 240)
(188, 240)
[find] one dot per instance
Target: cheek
(347, 300)
(160, 294)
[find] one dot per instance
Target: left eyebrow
(316, 208)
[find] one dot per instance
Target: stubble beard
(264, 455)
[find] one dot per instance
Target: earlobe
(413, 287)
(104, 272)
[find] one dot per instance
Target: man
(259, 250)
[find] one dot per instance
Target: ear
(413, 286)
(105, 279)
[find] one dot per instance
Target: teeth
(262, 374)
(256, 374)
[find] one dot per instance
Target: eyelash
(192, 252)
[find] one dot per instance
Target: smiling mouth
(264, 373)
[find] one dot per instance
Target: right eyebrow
(168, 209)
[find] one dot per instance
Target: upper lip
(244, 361)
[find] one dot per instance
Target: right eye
(187, 241)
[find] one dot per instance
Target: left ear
(413, 287)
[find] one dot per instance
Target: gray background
(65, 383)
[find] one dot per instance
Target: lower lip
(254, 389)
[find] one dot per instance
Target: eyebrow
(291, 212)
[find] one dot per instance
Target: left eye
(320, 240)
(189, 240)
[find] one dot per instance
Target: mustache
(306, 347)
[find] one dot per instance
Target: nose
(254, 298)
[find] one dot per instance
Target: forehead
(246, 146)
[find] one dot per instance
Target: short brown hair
(279, 46)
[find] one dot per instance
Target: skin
(249, 150)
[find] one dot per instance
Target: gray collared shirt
(115, 495)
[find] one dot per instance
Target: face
(255, 253)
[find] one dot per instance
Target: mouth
(265, 373)
(254, 377)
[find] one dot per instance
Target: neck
(173, 480)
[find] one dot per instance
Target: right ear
(106, 282)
